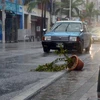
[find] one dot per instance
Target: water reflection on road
(15, 68)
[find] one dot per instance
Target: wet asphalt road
(16, 61)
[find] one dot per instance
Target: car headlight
(73, 38)
(47, 37)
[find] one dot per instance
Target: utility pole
(70, 10)
(3, 21)
(53, 19)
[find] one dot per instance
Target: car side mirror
(81, 30)
(44, 30)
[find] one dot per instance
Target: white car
(95, 37)
(95, 32)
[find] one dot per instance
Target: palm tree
(89, 12)
(63, 7)
(44, 3)
(75, 6)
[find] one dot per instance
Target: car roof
(69, 21)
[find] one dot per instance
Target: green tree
(75, 6)
(63, 7)
(89, 12)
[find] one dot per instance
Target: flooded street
(16, 77)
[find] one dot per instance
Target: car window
(69, 27)
(60, 27)
(74, 27)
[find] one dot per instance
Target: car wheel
(87, 49)
(80, 49)
(46, 49)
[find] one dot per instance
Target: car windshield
(69, 27)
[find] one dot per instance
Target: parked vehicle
(95, 34)
(95, 38)
(72, 35)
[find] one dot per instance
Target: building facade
(19, 22)
(13, 19)
(33, 21)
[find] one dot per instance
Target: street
(29, 29)
(17, 61)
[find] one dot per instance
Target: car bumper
(56, 45)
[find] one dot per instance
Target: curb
(37, 88)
